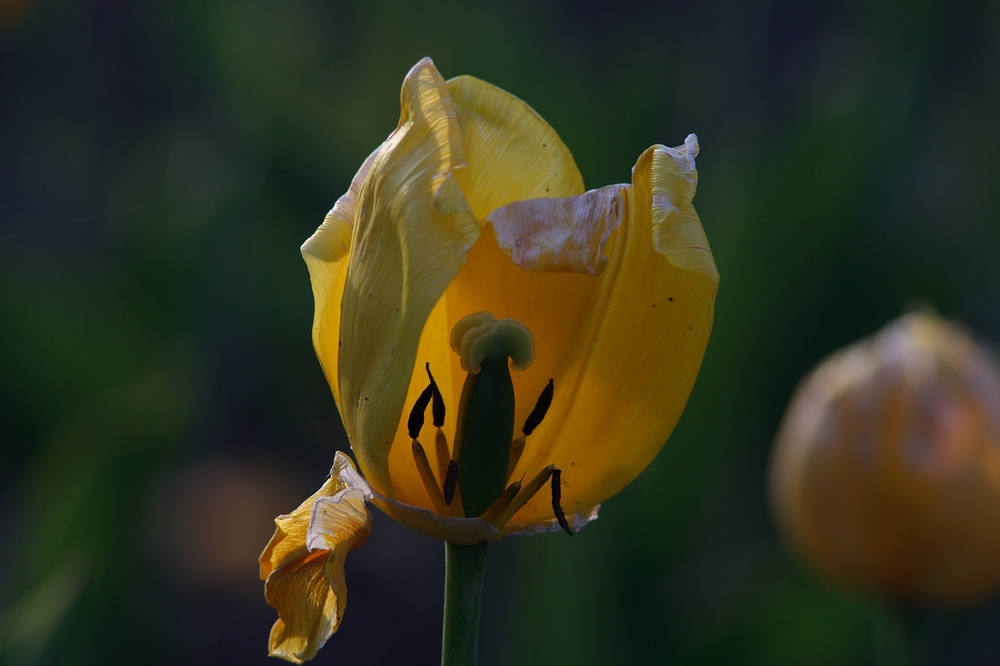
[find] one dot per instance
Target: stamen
(516, 449)
(416, 420)
(437, 407)
(443, 454)
(500, 505)
(526, 494)
(427, 476)
(450, 482)
(556, 496)
(541, 407)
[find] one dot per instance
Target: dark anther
(437, 407)
(416, 420)
(556, 496)
(450, 481)
(538, 413)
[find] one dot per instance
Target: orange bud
(886, 470)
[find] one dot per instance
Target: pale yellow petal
(304, 565)
(325, 254)
(512, 153)
(289, 540)
(411, 233)
(465, 531)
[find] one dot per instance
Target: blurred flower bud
(886, 470)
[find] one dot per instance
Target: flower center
(485, 453)
(486, 410)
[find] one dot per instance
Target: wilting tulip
(886, 470)
(466, 239)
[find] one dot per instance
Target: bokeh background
(160, 402)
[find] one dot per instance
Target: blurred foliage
(161, 162)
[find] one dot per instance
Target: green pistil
(486, 410)
(485, 430)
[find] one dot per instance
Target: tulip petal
(623, 348)
(325, 254)
(512, 153)
(411, 233)
(303, 565)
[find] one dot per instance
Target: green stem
(463, 595)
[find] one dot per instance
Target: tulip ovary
(484, 433)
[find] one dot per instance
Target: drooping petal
(303, 565)
(412, 230)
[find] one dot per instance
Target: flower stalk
(463, 596)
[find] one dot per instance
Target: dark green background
(160, 164)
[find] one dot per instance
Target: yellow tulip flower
(474, 207)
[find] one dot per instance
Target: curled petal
(677, 231)
(303, 565)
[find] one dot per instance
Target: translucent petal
(411, 232)
(512, 153)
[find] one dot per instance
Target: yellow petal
(304, 565)
(512, 153)
(624, 347)
(411, 233)
(325, 254)
(649, 333)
